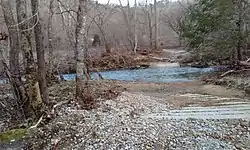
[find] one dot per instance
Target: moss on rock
(14, 134)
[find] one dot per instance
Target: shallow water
(178, 74)
(161, 74)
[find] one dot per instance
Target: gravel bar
(118, 124)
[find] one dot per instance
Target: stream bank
(236, 80)
(126, 121)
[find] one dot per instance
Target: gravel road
(121, 124)
(179, 116)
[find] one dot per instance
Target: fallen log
(245, 63)
(234, 71)
(161, 59)
(226, 73)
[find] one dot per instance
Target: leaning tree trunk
(33, 107)
(40, 53)
(82, 93)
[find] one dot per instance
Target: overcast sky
(124, 1)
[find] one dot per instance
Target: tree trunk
(146, 19)
(23, 37)
(180, 40)
(34, 102)
(68, 31)
(130, 34)
(135, 29)
(29, 96)
(156, 26)
(49, 32)
(150, 27)
(127, 23)
(13, 39)
(80, 51)
(40, 53)
(14, 72)
(240, 36)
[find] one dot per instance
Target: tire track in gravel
(207, 107)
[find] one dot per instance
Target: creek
(161, 74)
(156, 75)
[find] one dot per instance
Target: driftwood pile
(113, 61)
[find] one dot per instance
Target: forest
(82, 74)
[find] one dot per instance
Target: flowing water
(163, 74)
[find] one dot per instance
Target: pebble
(115, 129)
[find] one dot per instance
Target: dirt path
(199, 106)
(164, 89)
(174, 54)
(195, 100)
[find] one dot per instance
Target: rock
(245, 123)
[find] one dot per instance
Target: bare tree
(101, 19)
(127, 22)
(156, 26)
(145, 11)
(14, 49)
(49, 33)
(150, 26)
(175, 22)
(135, 32)
(34, 101)
(13, 72)
(28, 94)
(24, 37)
(80, 51)
(240, 27)
(67, 22)
(40, 52)
(3, 60)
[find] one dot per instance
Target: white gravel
(118, 124)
